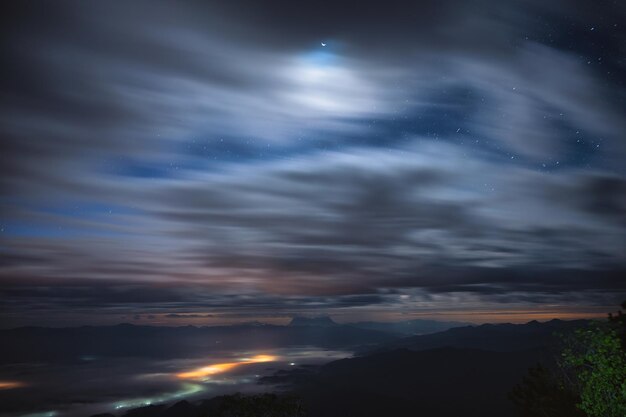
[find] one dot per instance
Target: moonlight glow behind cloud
(214, 162)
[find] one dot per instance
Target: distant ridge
(410, 327)
(504, 337)
(126, 340)
(320, 321)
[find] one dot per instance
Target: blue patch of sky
(321, 57)
(78, 210)
(87, 210)
(16, 228)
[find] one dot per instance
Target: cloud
(338, 230)
(376, 217)
(187, 316)
(169, 156)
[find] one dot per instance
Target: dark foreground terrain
(439, 375)
(439, 382)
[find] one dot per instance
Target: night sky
(172, 162)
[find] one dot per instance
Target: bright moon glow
(219, 368)
(325, 86)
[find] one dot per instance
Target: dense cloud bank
(191, 157)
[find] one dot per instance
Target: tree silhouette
(542, 394)
(590, 379)
(619, 322)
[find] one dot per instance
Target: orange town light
(11, 384)
(219, 368)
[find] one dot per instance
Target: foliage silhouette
(590, 379)
(596, 361)
(542, 394)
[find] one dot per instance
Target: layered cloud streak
(198, 155)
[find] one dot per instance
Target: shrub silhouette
(590, 379)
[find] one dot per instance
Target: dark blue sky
(435, 159)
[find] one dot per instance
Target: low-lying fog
(90, 384)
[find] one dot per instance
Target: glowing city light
(11, 384)
(219, 368)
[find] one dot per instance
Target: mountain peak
(321, 321)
